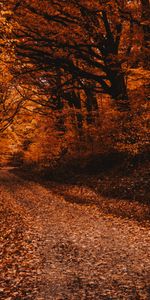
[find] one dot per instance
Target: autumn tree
(5, 76)
(69, 56)
(83, 40)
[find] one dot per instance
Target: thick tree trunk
(118, 88)
(145, 5)
(110, 49)
(119, 92)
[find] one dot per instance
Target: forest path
(53, 248)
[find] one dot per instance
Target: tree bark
(145, 5)
(119, 91)
(91, 104)
(118, 88)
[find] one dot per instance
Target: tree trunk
(118, 88)
(145, 5)
(119, 92)
(74, 101)
(91, 104)
(60, 123)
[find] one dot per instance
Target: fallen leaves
(54, 247)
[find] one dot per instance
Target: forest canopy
(74, 75)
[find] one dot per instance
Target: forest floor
(62, 240)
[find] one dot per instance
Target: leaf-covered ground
(66, 241)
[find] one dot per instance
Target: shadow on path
(84, 194)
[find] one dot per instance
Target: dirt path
(53, 248)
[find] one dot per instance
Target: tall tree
(83, 39)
